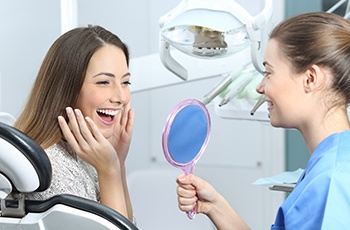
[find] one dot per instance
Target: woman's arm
(121, 143)
(112, 191)
(193, 190)
(127, 196)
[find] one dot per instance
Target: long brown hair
(318, 38)
(60, 79)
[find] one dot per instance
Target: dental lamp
(212, 29)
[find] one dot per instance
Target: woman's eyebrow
(126, 74)
(111, 74)
(104, 73)
(266, 64)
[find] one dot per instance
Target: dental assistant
(79, 112)
(307, 87)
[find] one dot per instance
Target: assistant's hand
(123, 132)
(88, 142)
(192, 189)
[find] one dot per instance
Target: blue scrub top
(321, 198)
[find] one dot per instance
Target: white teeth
(108, 112)
(269, 103)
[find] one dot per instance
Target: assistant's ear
(314, 78)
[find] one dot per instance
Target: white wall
(28, 28)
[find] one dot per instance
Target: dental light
(212, 29)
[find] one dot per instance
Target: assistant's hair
(318, 38)
(60, 80)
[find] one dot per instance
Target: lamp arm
(255, 50)
(264, 16)
(258, 35)
(169, 62)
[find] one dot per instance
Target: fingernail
(77, 112)
(68, 110)
(60, 119)
(182, 178)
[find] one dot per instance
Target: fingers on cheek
(64, 125)
(61, 121)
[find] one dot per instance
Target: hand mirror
(185, 136)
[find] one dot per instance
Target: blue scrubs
(321, 198)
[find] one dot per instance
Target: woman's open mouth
(107, 116)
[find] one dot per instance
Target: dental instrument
(217, 89)
(258, 104)
(236, 89)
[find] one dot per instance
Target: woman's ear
(314, 78)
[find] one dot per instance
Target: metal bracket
(13, 205)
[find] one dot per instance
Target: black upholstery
(32, 151)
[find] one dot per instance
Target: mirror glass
(185, 136)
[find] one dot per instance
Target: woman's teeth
(108, 112)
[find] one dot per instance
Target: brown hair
(60, 79)
(318, 38)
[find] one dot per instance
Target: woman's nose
(120, 95)
(260, 87)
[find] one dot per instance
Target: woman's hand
(123, 132)
(88, 142)
(191, 190)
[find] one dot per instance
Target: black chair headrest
(23, 161)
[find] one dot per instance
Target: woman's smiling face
(105, 91)
(283, 89)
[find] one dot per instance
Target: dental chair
(25, 168)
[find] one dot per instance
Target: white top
(70, 175)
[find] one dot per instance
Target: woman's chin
(273, 122)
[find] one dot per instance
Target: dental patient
(79, 112)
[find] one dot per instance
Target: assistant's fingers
(183, 206)
(185, 181)
(186, 198)
(185, 191)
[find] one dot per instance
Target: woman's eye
(126, 83)
(102, 83)
(267, 74)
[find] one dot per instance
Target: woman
(307, 87)
(78, 111)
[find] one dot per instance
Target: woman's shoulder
(70, 175)
(66, 162)
(61, 150)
